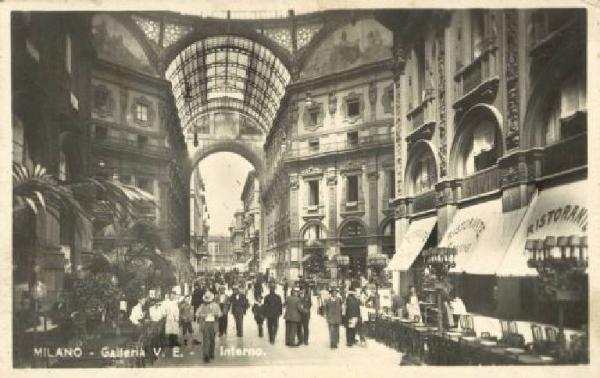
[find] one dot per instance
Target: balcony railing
(297, 152)
(481, 182)
(480, 70)
(131, 145)
(424, 201)
(424, 112)
(565, 155)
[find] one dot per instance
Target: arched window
(482, 147)
(423, 174)
(565, 115)
(312, 232)
(62, 166)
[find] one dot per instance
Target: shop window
(566, 117)
(353, 108)
(313, 193)
(101, 133)
(352, 138)
(352, 188)
(141, 112)
(477, 33)
(313, 145)
(483, 151)
(142, 141)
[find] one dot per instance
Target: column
(402, 206)
(293, 262)
(332, 215)
(373, 242)
(448, 192)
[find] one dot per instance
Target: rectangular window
(68, 53)
(101, 133)
(353, 108)
(420, 55)
(142, 141)
(141, 112)
(352, 189)
(352, 138)
(313, 145)
(313, 117)
(477, 32)
(313, 193)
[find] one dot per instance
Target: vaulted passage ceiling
(224, 73)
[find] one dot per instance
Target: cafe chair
(541, 345)
(510, 335)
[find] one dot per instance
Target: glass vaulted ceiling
(227, 73)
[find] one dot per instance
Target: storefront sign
(574, 214)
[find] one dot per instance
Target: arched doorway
(353, 243)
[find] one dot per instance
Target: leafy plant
(93, 294)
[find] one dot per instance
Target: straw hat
(208, 296)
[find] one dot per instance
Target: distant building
(220, 254)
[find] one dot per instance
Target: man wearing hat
(293, 317)
(239, 306)
(352, 317)
(207, 315)
(272, 308)
(333, 314)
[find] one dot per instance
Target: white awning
(412, 243)
(481, 234)
(558, 211)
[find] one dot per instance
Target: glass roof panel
(227, 71)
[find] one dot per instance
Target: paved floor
(263, 353)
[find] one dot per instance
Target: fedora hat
(208, 297)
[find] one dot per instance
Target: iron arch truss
(227, 72)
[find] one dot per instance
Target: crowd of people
(200, 316)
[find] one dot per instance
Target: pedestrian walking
(272, 307)
(186, 317)
(259, 314)
(293, 307)
(207, 316)
(224, 305)
(306, 302)
(138, 312)
(352, 317)
(239, 306)
(171, 319)
(285, 289)
(333, 315)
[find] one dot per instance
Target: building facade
(252, 221)
(491, 150)
(52, 58)
(135, 130)
(199, 218)
(330, 157)
(220, 254)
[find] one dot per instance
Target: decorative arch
(313, 222)
(213, 28)
(385, 222)
(463, 138)
(253, 155)
(350, 220)
(545, 89)
(421, 148)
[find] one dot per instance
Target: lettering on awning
(569, 213)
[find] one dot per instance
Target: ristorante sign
(574, 214)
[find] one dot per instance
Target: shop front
(403, 267)
(480, 233)
(557, 213)
(353, 243)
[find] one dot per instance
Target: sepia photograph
(340, 187)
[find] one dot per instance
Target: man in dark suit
(239, 305)
(293, 308)
(305, 314)
(272, 308)
(398, 305)
(352, 317)
(333, 314)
